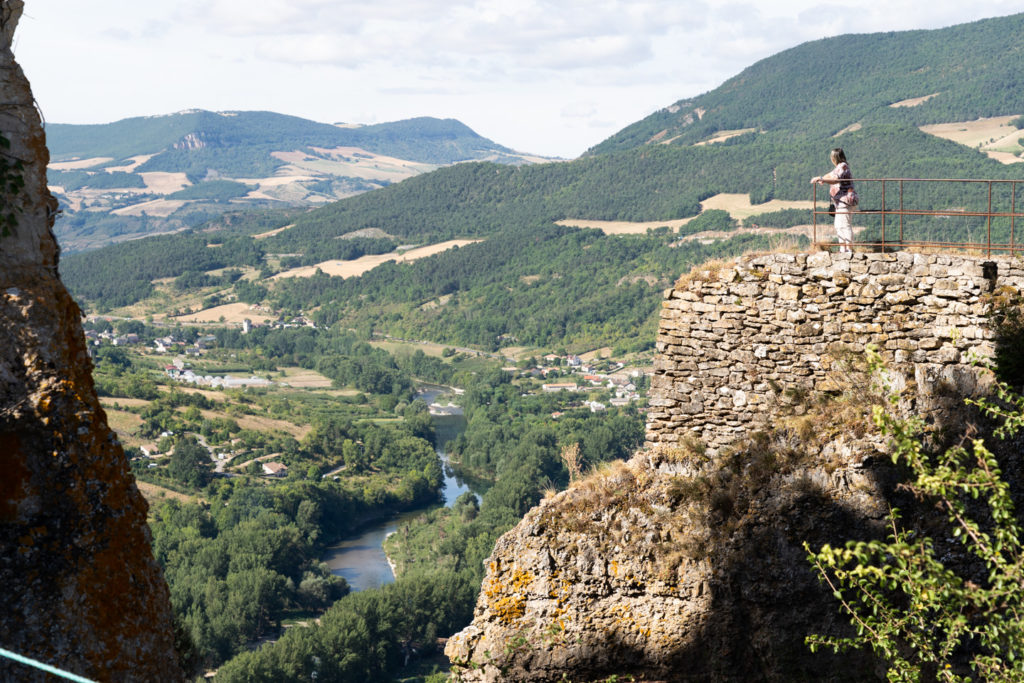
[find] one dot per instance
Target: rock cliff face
(81, 590)
(687, 563)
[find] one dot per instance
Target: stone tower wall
(733, 338)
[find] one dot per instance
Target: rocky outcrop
(81, 590)
(688, 562)
(678, 566)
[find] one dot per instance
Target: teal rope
(21, 659)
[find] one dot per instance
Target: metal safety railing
(892, 224)
(42, 666)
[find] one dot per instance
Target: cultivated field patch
(162, 182)
(737, 205)
(157, 207)
(301, 378)
(135, 162)
(409, 348)
(723, 135)
(995, 136)
(271, 233)
(740, 208)
(232, 313)
(78, 164)
(367, 263)
(913, 101)
(208, 393)
(260, 423)
(624, 227)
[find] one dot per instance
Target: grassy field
(153, 493)
(124, 424)
(232, 313)
(995, 136)
(367, 263)
(737, 205)
(409, 348)
(259, 423)
(301, 378)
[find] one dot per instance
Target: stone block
(820, 259)
(808, 329)
(788, 292)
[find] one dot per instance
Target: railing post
(989, 243)
(814, 214)
(1013, 214)
(883, 216)
(901, 212)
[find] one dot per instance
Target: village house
(275, 469)
(559, 386)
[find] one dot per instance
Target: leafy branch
(904, 602)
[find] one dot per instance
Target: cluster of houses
(97, 338)
(269, 467)
(586, 377)
(179, 373)
(167, 344)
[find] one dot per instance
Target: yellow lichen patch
(507, 601)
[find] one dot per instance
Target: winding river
(361, 559)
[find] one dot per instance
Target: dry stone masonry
(733, 339)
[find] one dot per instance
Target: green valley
(499, 278)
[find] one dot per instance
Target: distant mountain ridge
(153, 174)
(424, 139)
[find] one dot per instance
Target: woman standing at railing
(843, 196)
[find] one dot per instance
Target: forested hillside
(653, 170)
(816, 90)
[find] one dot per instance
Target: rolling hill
(161, 173)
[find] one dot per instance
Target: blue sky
(550, 77)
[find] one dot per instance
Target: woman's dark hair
(837, 155)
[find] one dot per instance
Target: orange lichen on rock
(507, 599)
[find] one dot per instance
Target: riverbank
(391, 562)
(360, 558)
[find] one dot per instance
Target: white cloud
(546, 76)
